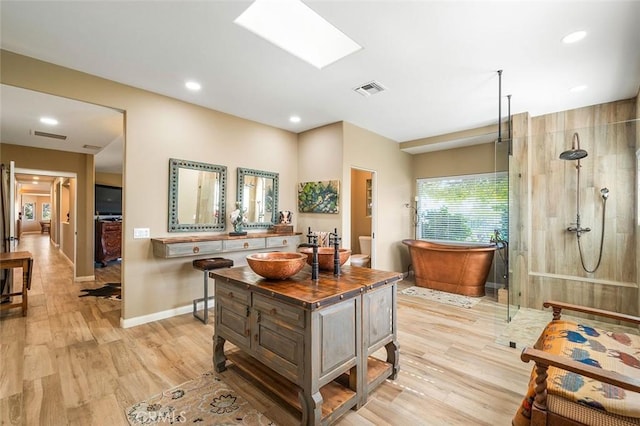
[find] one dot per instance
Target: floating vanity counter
(171, 247)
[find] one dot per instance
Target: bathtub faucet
(497, 239)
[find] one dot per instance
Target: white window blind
(463, 208)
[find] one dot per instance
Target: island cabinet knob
(285, 242)
(196, 249)
(245, 245)
(273, 311)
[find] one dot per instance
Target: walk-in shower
(576, 153)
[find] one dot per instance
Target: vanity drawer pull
(285, 242)
(245, 245)
(196, 249)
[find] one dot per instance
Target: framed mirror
(258, 194)
(196, 196)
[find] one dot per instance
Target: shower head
(575, 153)
(604, 193)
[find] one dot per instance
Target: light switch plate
(139, 233)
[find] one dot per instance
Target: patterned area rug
(442, 297)
(206, 400)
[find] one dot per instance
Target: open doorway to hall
(362, 217)
(83, 139)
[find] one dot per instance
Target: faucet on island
(335, 240)
(313, 243)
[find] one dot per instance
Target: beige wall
(34, 225)
(159, 128)
(393, 187)
(457, 162)
(111, 179)
(320, 159)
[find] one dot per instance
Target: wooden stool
(207, 265)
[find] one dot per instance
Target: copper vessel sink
(325, 256)
(276, 265)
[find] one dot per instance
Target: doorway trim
(374, 209)
(61, 174)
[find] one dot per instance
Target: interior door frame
(60, 174)
(374, 209)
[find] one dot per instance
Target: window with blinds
(463, 208)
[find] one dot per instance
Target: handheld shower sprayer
(577, 153)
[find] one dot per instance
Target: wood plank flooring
(69, 362)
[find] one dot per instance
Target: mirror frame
(242, 172)
(174, 166)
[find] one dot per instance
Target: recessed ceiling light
(574, 37)
(578, 88)
(48, 120)
(193, 85)
(294, 119)
(296, 28)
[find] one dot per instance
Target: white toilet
(363, 259)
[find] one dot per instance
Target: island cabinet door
(337, 338)
(232, 314)
(278, 339)
(378, 316)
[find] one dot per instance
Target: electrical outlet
(139, 233)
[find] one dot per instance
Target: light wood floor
(69, 363)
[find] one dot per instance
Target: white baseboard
(157, 316)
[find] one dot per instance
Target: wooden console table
(18, 259)
(309, 342)
(171, 247)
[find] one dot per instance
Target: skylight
(296, 28)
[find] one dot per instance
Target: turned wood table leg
(219, 358)
(393, 356)
(311, 406)
(540, 400)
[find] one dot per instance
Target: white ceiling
(438, 59)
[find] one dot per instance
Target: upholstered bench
(207, 265)
(583, 374)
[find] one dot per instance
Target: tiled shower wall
(545, 258)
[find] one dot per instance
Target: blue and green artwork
(318, 197)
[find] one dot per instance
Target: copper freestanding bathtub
(452, 268)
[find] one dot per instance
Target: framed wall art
(319, 197)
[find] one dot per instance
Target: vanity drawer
(192, 248)
(243, 244)
(282, 241)
(232, 293)
(278, 311)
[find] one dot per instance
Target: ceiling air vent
(49, 135)
(370, 88)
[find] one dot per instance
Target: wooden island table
(309, 342)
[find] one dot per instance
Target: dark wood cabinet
(108, 240)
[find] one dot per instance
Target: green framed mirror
(257, 192)
(196, 196)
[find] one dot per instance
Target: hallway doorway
(363, 210)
